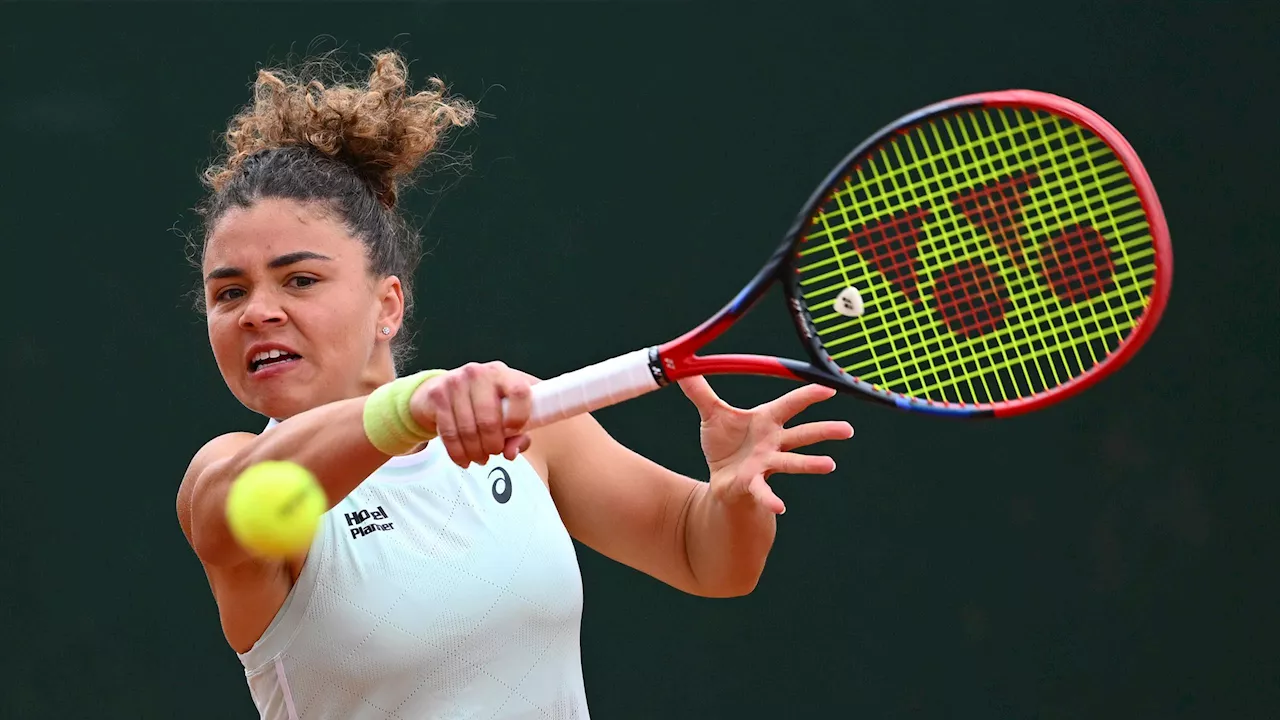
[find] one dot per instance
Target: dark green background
(1109, 558)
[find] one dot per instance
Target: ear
(390, 295)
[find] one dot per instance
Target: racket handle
(593, 387)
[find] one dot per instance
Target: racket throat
(656, 367)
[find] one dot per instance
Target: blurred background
(1112, 557)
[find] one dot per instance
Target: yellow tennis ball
(274, 507)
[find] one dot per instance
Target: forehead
(272, 227)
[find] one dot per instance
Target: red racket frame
(678, 358)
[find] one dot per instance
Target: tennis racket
(981, 257)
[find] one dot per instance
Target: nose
(261, 311)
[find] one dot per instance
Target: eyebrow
(282, 261)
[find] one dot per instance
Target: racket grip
(593, 387)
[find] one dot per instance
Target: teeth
(267, 355)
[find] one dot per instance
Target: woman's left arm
(705, 538)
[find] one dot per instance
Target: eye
(231, 293)
(302, 281)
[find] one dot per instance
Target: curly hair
(312, 137)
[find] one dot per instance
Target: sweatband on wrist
(387, 422)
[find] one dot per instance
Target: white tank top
(430, 592)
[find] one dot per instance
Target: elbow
(743, 587)
(215, 546)
(735, 585)
(210, 534)
(725, 550)
(732, 591)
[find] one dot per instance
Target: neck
(380, 371)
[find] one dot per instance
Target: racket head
(1008, 250)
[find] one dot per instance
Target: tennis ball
(274, 507)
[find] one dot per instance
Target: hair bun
(379, 127)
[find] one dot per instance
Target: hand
(745, 447)
(464, 409)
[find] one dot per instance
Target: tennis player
(442, 581)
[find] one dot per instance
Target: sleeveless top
(430, 592)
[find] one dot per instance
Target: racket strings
(987, 389)
(999, 253)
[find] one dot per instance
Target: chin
(278, 400)
(279, 408)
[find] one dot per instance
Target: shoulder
(216, 451)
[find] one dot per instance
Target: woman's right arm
(328, 440)
(463, 405)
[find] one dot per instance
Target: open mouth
(269, 358)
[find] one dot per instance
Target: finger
(764, 495)
(815, 432)
(699, 391)
(486, 406)
(465, 418)
(516, 390)
(798, 464)
(441, 397)
(515, 445)
(795, 402)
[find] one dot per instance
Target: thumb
(699, 391)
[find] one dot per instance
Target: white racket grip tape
(593, 387)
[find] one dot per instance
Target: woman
(442, 582)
